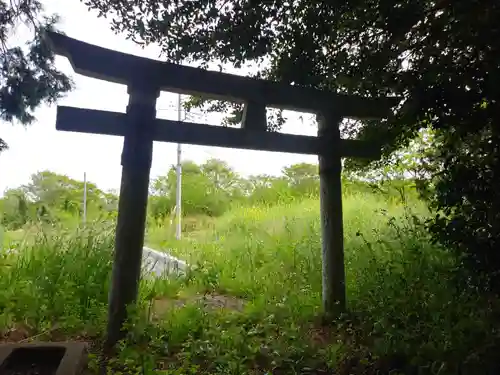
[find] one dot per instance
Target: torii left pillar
(136, 165)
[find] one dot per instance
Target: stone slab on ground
(59, 358)
(157, 263)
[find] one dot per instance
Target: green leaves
(52, 197)
(28, 77)
(213, 187)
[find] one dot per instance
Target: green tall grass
(406, 312)
(56, 280)
(402, 289)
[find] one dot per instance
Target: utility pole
(84, 197)
(178, 192)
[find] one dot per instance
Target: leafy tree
(212, 187)
(15, 209)
(109, 201)
(415, 161)
(468, 201)
(221, 175)
(410, 168)
(160, 207)
(28, 76)
(50, 197)
(59, 193)
(206, 189)
(270, 190)
(303, 179)
(441, 57)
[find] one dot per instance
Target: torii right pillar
(332, 231)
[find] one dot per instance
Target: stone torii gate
(145, 78)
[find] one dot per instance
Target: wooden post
(254, 116)
(136, 165)
(330, 168)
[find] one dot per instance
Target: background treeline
(53, 198)
(208, 189)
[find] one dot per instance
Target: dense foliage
(52, 198)
(468, 196)
(28, 77)
(251, 306)
(209, 189)
(407, 315)
(441, 57)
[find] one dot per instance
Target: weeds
(406, 312)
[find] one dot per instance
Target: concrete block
(47, 358)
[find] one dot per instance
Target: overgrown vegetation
(440, 57)
(252, 302)
(209, 190)
(28, 76)
(413, 306)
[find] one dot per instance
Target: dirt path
(209, 301)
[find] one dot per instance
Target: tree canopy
(28, 76)
(442, 57)
(50, 197)
(437, 55)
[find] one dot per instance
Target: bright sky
(41, 147)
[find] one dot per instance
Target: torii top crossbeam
(102, 63)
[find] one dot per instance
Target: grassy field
(252, 305)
